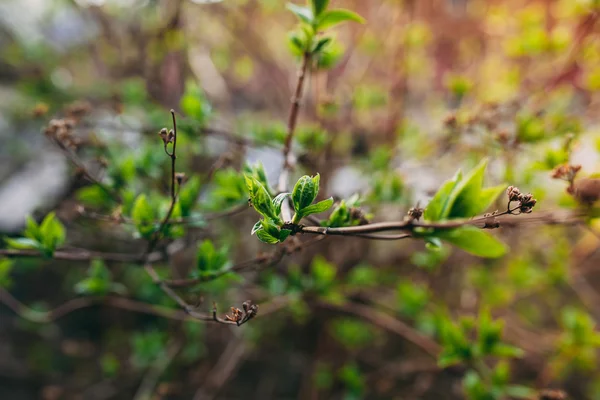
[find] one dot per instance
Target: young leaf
(464, 200)
(487, 196)
(473, 240)
(260, 198)
(22, 243)
(318, 207)
(334, 17)
(278, 201)
(437, 206)
(321, 44)
(188, 195)
(305, 14)
(263, 236)
(256, 227)
(52, 232)
(270, 228)
(305, 192)
(520, 392)
(319, 6)
(143, 216)
(283, 234)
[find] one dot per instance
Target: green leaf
(487, 197)
(32, 229)
(209, 258)
(278, 201)
(334, 17)
(283, 234)
(319, 6)
(305, 14)
(321, 45)
(5, 269)
(270, 228)
(53, 232)
(447, 360)
(462, 197)
(473, 240)
(256, 227)
(143, 216)
(323, 274)
(317, 207)
(297, 43)
(436, 209)
(520, 392)
(188, 195)
(260, 198)
(93, 196)
(263, 236)
(305, 192)
(507, 351)
(464, 200)
(22, 243)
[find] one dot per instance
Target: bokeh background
(391, 110)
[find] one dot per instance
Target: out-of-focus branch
(388, 323)
(82, 255)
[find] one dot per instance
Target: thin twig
(291, 128)
(410, 225)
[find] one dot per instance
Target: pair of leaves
(210, 260)
(45, 237)
(314, 19)
(261, 199)
(268, 229)
(304, 193)
(268, 232)
(320, 19)
(465, 197)
(343, 213)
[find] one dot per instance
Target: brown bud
(164, 135)
(180, 177)
(415, 213)
(513, 193)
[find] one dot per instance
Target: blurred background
(392, 109)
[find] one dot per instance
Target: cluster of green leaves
(315, 18)
(345, 213)
(98, 281)
(463, 197)
(148, 212)
(480, 383)
(210, 261)
(270, 229)
(45, 237)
